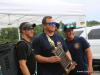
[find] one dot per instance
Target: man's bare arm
(89, 58)
(24, 67)
(69, 55)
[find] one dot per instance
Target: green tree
(92, 22)
(8, 35)
(37, 30)
(74, 23)
(11, 34)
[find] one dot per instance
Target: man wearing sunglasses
(80, 52)
(56, 27)
(25, 53)
(47, 64)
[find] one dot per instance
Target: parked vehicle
(92, 35)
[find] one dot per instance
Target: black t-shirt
(43, 48)
(22, 50)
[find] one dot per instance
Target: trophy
(65, 62)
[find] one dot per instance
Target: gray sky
(92, 9)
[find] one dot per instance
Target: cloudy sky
(92, 9)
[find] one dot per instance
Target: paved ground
(96, 70)
(96, 73)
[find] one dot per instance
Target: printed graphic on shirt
(76, 45)
(59, 43)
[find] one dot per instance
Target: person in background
(56, 27)
(80, 52)
(27, 63)
(44, 43)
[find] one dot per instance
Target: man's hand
(90, 69)
(54, 59)
(74, 66)
(71, 69)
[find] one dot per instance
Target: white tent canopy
(14, 12)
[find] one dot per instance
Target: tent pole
(86, 33)
(86, 30)
(18, 30)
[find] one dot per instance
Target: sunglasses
(30, 29)
(51, 23)
(68, 26)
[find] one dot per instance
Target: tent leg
(86, 29)
(18, 31)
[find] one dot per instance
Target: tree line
(11, 34)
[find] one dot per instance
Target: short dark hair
(25, 25)
(44, 19)
(21, 25)
(57, 25)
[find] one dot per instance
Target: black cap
(57, 25)
(25, 25)
(68, 26)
